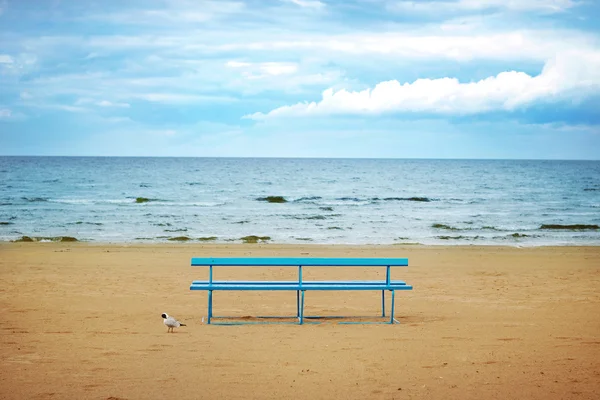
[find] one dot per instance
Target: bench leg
(383, 303)
(298, 303)
(209, 305)
(302, 309)
(392, 312)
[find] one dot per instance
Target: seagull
(171, 322)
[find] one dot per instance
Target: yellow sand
(82, 321)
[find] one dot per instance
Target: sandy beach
(82, 321)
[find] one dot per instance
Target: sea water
(287, 200)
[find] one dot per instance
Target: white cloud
(5, 113)
(546, 6)
(6, 59)
(571, 75)
(538, 45)
(106, 103)
(251, 78)
(273, 68)
(237, 64)
(443, 42)
(500, 46)
(101, 103)
(314, 4)
(62, 107)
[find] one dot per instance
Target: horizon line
(308, 157)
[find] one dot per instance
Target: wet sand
(82, 321)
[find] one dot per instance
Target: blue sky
(301, 78)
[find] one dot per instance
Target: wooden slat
(201, 282)
(229, 286)
(295, 262)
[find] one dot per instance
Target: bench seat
(296, 286)
(201, 282)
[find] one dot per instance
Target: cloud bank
(571, 75)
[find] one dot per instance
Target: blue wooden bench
(300, 285)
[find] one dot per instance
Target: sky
(516, 79)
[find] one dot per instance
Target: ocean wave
(309, 199)
(490, 228)
(142, 200)
(89, 201)
(306, 217)
(146, 200)
(35, 199)
(72, 201)
(573, 227)
(348, 201)
(470, 228)
(198, 204)
(374, 199)
(444, 227)
(420, 199)
(517, 235)
(459, 237)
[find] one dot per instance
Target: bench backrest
(300, 261)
